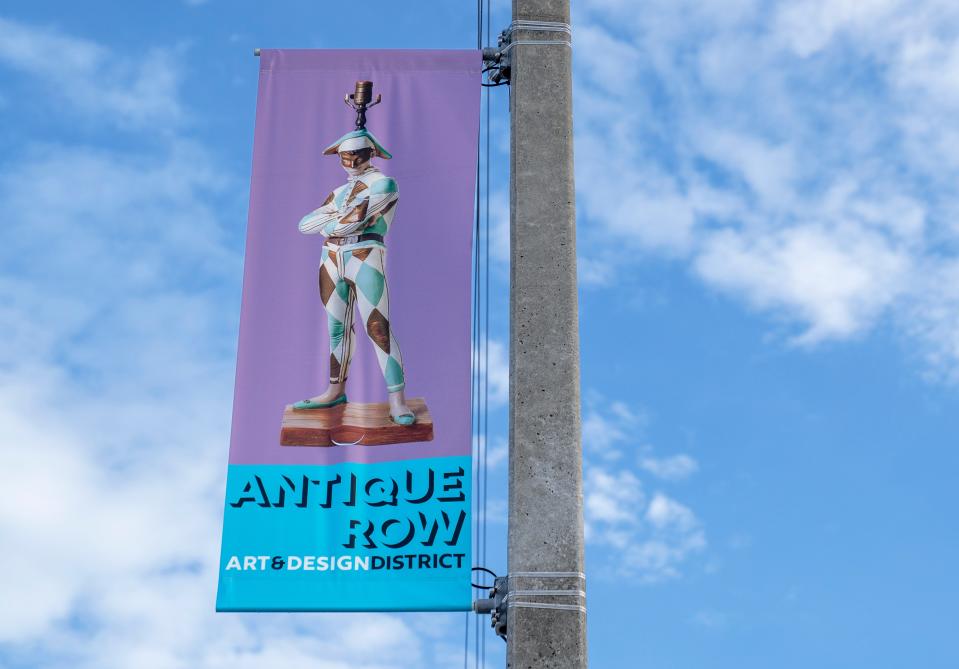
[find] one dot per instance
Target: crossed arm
(359, 212)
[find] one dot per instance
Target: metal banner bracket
(496, 61)
(495, 604)
(502, 597)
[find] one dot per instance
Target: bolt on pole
(545, 551)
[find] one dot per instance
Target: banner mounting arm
(502, 596)
(496, 60)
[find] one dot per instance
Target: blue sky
(769, 327)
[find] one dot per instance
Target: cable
(479, 381)
(474, 354)
(483, 586)
(486, 335)
(466, 638)
(479, 24)
(476, 370)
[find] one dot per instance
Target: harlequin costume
(355, 219)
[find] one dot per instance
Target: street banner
(348, 486)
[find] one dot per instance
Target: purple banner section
(428, 120)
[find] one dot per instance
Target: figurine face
(354, 160)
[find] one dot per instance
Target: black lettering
(426, 496)
(264, 500)
(407, 538)
(377, 487)
(455, 485)
(328, 502)
(352, 500)
(370, 528)
(433, 528)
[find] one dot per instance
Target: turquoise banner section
(388, 536)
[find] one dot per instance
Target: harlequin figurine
(354, 219)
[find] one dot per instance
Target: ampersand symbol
(278, 562)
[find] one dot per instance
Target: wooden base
(354, 424)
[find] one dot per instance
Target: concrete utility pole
(545, 465)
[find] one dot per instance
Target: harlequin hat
(355, 140)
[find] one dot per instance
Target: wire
(482, 586)
(475, 379)
(479, 24)
(486, 334)
(474, 355)
(466, 638)
(479, 382)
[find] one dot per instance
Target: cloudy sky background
(769, 316)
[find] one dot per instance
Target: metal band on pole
(536, 605)
(541, 26)
(547, 574)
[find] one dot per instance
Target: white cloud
(645, 539)
(674, 535)
(498, 453)
(93, 80)
(710, 619)
(612, 498)
(934, 320)
(801, 157)
(768, 170)
(497, 357)
(611, 62)
(666, 513)
(607, 425)
(119, 285)
(658, 560)
(594, 271)
(837, 280)
(809, 26)
(673, 468)
(499, 227)
(114, 406)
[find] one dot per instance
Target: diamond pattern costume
(354, 219)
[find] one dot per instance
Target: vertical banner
(350, 458)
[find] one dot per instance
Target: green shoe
(310, 404)
(404, 419)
